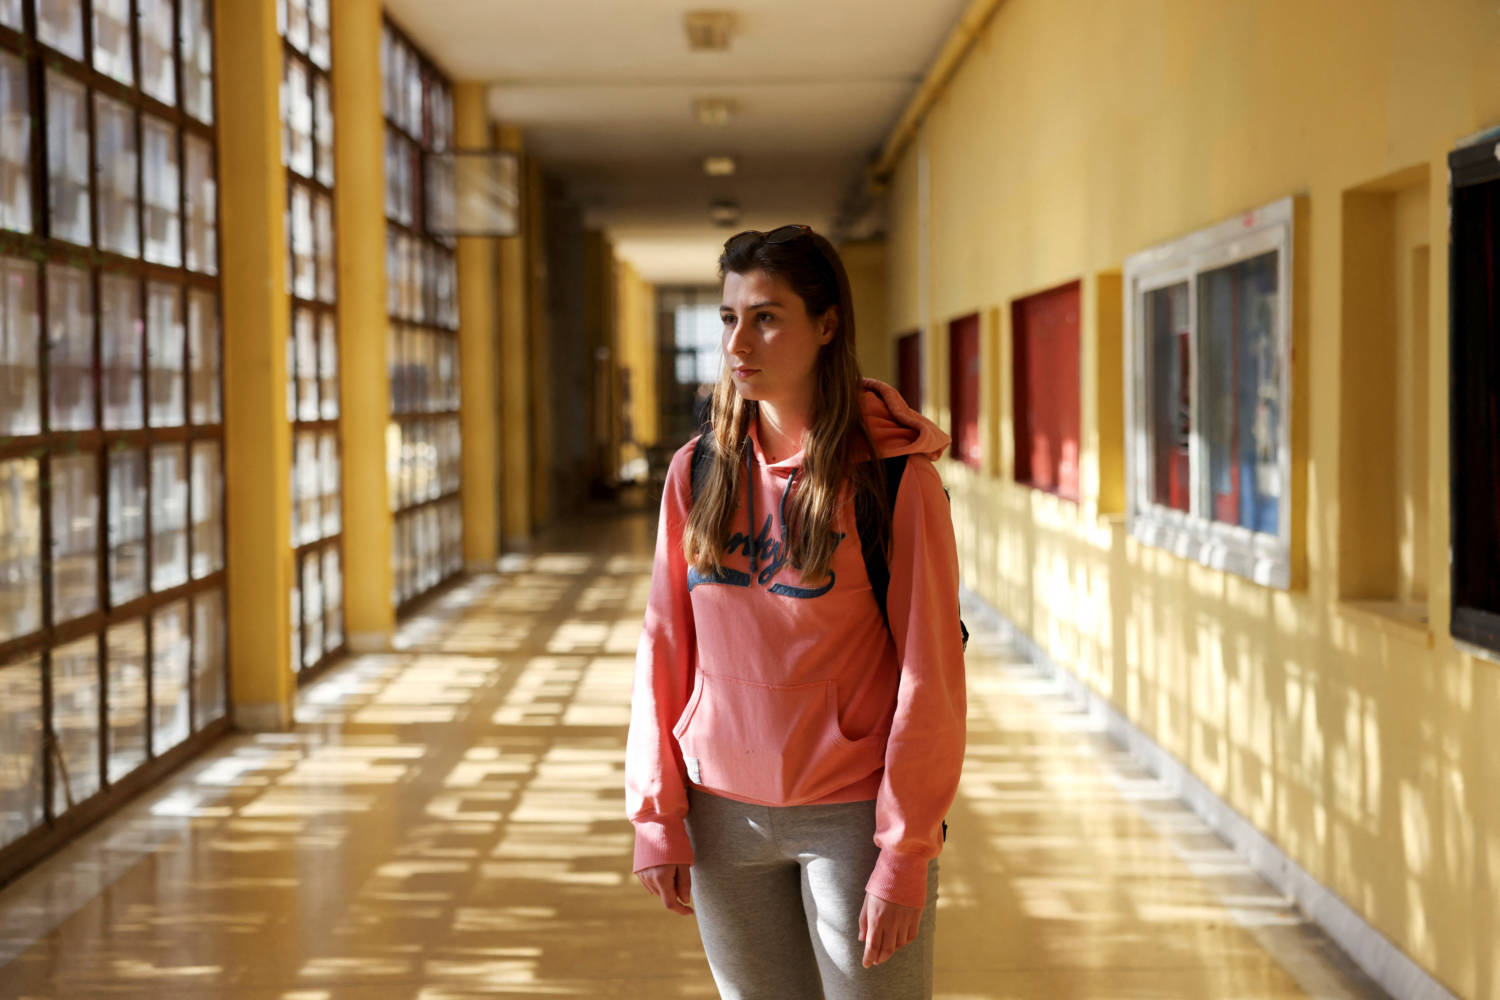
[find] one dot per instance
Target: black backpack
(865, 514)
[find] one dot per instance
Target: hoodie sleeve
(665, 660)
(925, 750)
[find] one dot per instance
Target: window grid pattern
(112, 621)
(423, 453)
(316, 595)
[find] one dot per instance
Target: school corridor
(344, 345)
(445, 821)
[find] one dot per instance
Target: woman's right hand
(672, 884)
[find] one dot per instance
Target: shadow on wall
(1273, 705)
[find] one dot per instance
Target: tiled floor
(447, 822)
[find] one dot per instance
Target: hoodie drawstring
(750, 503)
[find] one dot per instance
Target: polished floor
(446, 822)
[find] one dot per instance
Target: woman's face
(770, 342)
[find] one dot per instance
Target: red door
(963, 353)
(909, 369)
(1045, 367)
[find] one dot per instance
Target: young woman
(792, 751)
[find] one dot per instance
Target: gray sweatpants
(777, 891)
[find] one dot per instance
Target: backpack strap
(703, 457)
(867, 523)
(866, 520)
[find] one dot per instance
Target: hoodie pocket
(778, 744)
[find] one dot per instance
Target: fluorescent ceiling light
(724, 212)
(718, 166)
(708, 30)
(715, 111)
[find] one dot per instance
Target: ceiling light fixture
(713, 111)
(724, 212)
(708, 30)
(718, 166)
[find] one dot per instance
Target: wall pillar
(256, 309)
(364, 374)
(635, 320)
(514, 371)
(539, 329)
(476, 349)
(1102, 337)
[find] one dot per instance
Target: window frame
(1194, 534)
(1472, 164)
(311, 189)
(421, 329)
(66, 808)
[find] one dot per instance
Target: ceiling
(603, 92)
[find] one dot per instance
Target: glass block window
(76, 534)
(312, 350)
(20, 349)
(158, 50)
(423, 440)
(195, 32)
(15, 144)
(117, 171)
(59, 23)
(20, 548)
(67, 157)
(202, 204)
(111, 477)
(163, 222)
(125, 691)
(1208, 385)
(69, 345)
(112, 55)
(120, 344)
(171, 650)
(22, 714)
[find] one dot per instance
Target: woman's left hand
(885, 926)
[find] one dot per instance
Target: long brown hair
(811, 267)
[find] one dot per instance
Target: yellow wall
(1080, 131)
(636, 337)
(865, 262)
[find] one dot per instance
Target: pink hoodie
(757, 688)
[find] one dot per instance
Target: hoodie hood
(894, 426)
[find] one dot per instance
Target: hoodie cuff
(661, 842)
(899, 878)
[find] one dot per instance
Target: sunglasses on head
(781, 234)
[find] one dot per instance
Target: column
(257, 439)
(476, 339)
(540, 332)
(364, 375)
(514, 375)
